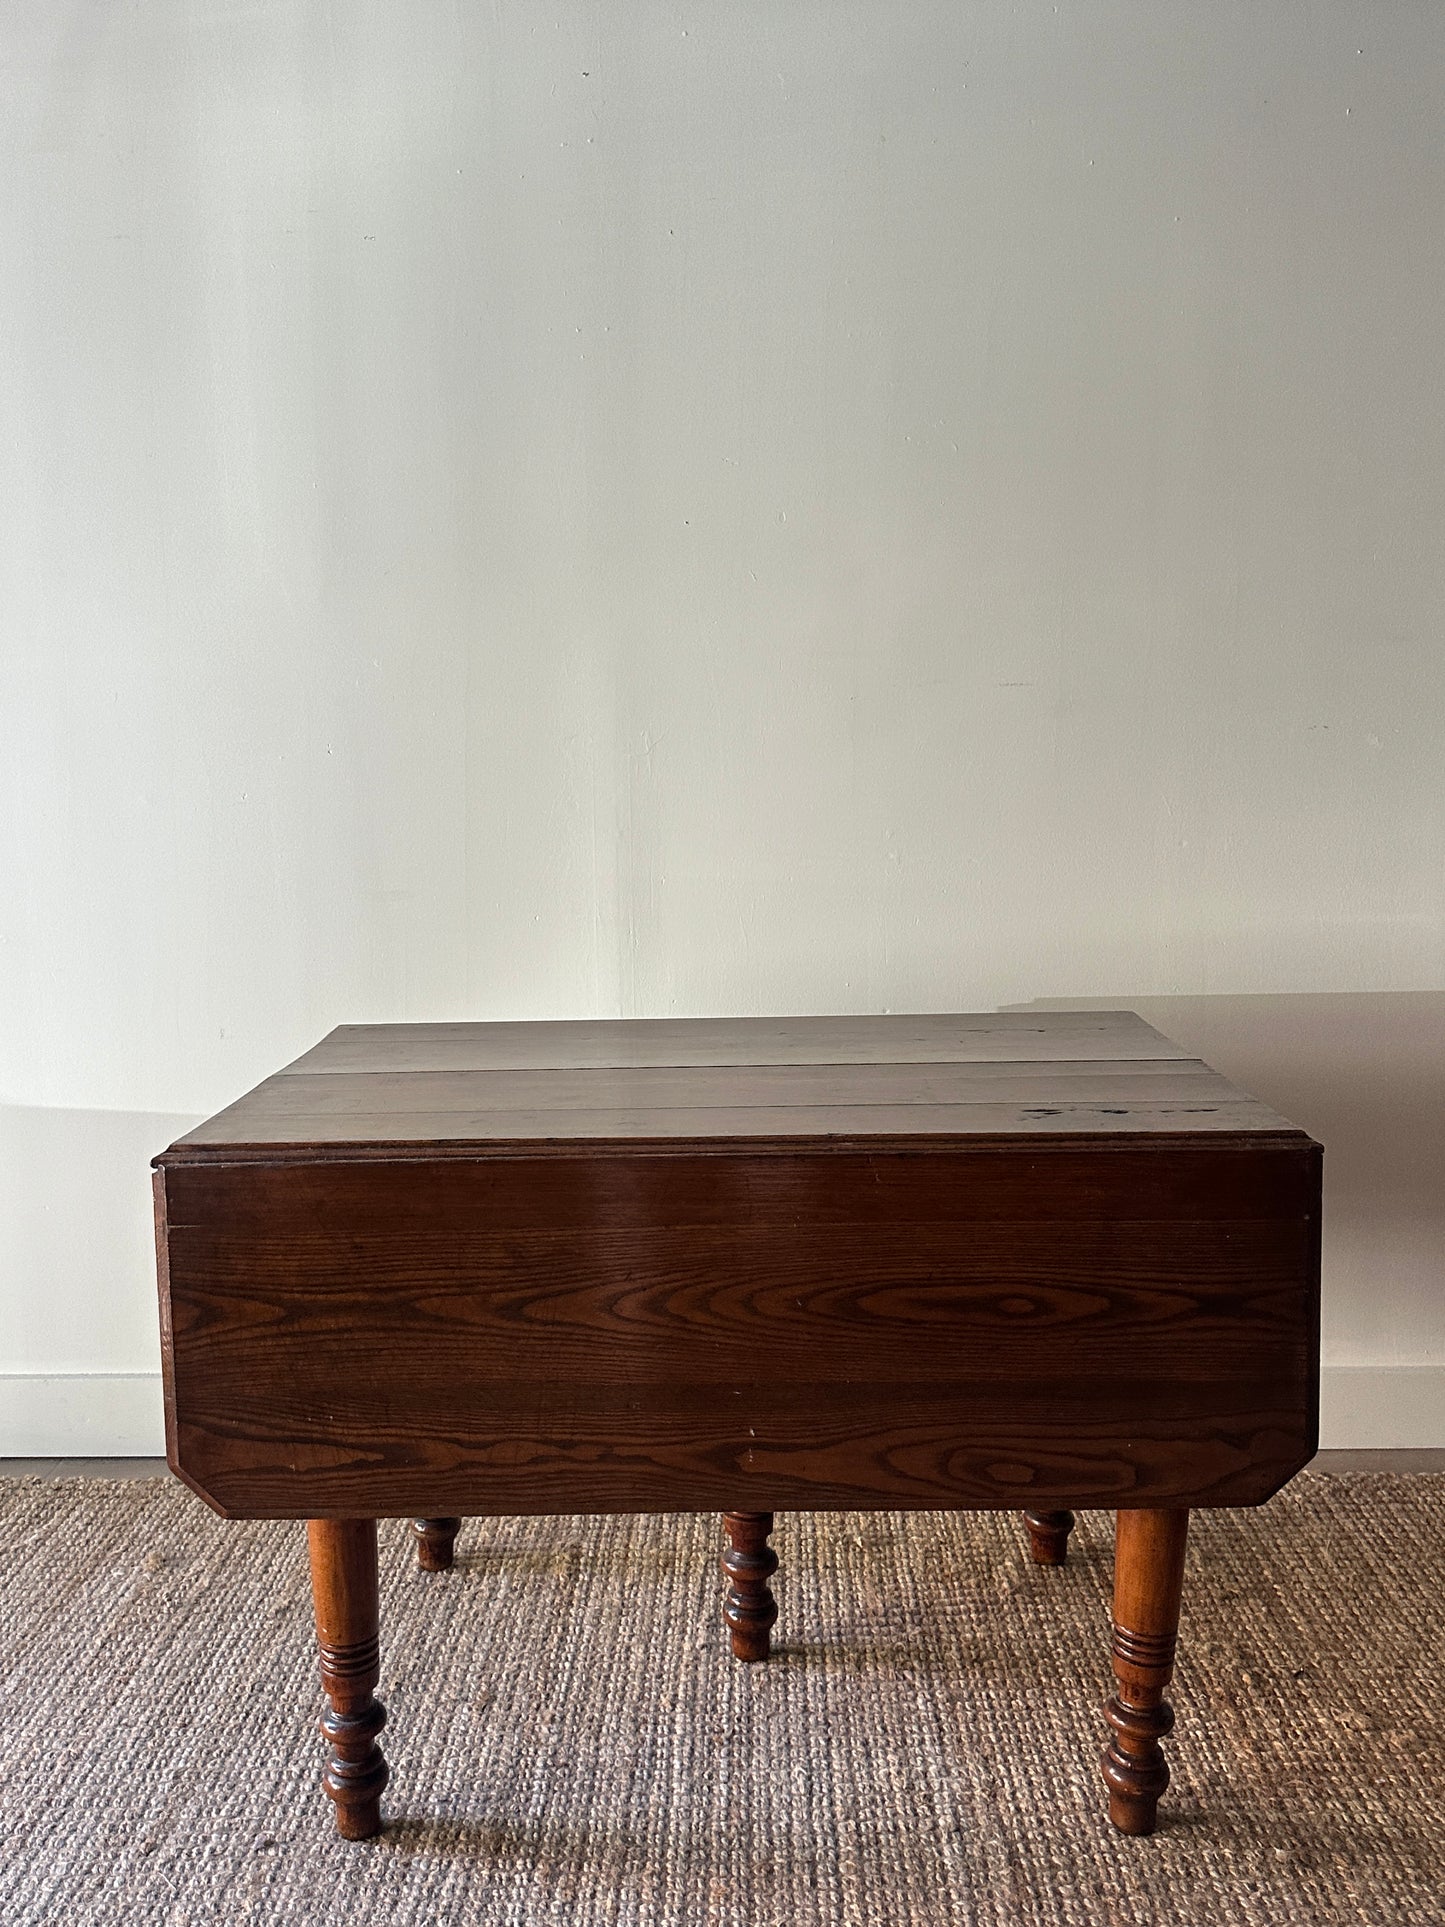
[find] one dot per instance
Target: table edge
(921, 1144)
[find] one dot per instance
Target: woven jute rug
(571, 1741)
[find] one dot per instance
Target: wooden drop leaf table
(1035, 1260)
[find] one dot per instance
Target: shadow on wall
(77, 1254)
(1364, 1072)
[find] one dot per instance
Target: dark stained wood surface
(748, 1563)
(1148, 1581)
(860, 1080)
(657, 1042)
(705, 1308)
(345, 1594)
(435, 1543)
(1049, 1537)
(448, 1133)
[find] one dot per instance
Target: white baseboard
(81, 1415)
(115, 1415)
(1382, 1406)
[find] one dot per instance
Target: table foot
(435, 1540)
(344, 1588)
(1148, 1578)
(748, 1563)
(1049, 1536)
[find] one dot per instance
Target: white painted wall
(743, 506)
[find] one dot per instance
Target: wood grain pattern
(1039, 1261)
(607, 1043)
(1148, 1581)
(760, 1346)
(854, 1078)
(768, 1303)
(746, 1087)
(345, 1593)
(1057, 1181)
(858, 1126)
(748, 1563)
(1055, 1444)
(1036, 1318)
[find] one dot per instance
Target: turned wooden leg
(435, 1539)
(343, 1585)
(1148, 1576)
(1049, 1536)
(748, 1563)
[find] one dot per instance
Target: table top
(758, 1263)
(877, 1081)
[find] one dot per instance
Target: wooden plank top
(485, 1089)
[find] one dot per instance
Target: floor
(1429, 1460)
(572, 1745)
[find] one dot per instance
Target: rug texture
(571, 1742)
